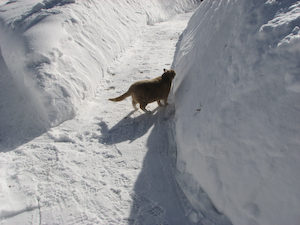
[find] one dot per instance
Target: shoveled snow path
(110, 164)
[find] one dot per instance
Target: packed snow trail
(110, 164)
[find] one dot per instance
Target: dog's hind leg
(143, 105)
(134, 104)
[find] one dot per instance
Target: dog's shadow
(129, 128)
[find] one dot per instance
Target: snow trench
(57, 51)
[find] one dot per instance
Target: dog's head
(168, 74)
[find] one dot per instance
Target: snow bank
(237, 119)
(58, 50)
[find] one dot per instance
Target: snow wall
(237, 99)
(57, 51)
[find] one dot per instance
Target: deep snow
(56, 54)
(237, 100)
(57, 51)
(108, 165)
(235, 103)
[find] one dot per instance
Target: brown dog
(146, 91)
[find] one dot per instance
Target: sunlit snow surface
(57, 51)
(237, 100)
(107, 165)
(235, 103)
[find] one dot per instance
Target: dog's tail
(122, 97)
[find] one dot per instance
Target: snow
(57, 51)
(237, 109)
(107, 165)
(224, 151)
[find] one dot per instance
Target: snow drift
(237, 96)
(57, 51)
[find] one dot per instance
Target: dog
(147, 91)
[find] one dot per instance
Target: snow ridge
(110, 164)
(237, 109)
(57, 51)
